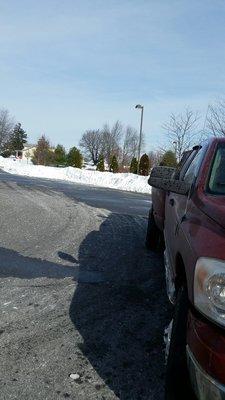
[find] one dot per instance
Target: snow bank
(123, 181)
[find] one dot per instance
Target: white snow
(121, 181)
(75, 377)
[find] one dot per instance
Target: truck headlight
(209, 288)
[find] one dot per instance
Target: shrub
(168, 159)
(60, 155)
(114, 167)
(134, 165)
(144, 166)
(74, 158)
(101, 164)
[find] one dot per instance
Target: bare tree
(130, 145)
(91, 142)
(181, 130)
(6, 127)
(215, 120)
(111, 139)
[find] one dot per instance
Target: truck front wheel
(177, 377)
(153, 236)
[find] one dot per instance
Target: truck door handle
(171, 201)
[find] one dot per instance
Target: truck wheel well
(180, 279)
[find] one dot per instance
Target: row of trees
(144, 166)
(46, 155)
(117, 146)
(181, 131)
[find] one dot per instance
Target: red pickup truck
(188, 209)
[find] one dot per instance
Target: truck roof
(210, 140)
(216, 139)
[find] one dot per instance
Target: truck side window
(180, 167)
(187, 164)
(193, 168)
(216, 183)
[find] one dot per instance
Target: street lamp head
(139, 106)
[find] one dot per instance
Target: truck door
(176, 206)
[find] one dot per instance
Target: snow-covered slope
(130, 182)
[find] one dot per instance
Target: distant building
(28, 151)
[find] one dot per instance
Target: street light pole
(140, 136)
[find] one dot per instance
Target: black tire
(153, 236)
(177, 385)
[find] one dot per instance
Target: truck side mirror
(162, 178)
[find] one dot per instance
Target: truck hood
(214, 207)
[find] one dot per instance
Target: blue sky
(69, 65)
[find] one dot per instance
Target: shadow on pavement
(122, 319)
(119, 306)
(13, 264)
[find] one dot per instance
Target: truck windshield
(217, 177)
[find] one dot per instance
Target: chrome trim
(170, 285)
(167, 339)
(204, 386)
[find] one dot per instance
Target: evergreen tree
(5, 153)
(133, 165)
(43, 154)
(17, 139)
(168, 159)
(144, 166)
(114, 167)
(60, 155)
(74, 158)
(101, 163)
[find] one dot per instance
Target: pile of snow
(89, 166)
(123, 181)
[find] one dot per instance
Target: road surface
(79, 294)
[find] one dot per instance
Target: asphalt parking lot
(83, 305)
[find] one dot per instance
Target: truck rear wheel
(178, 384)
(153, 236)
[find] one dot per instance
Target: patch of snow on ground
(121, 181)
